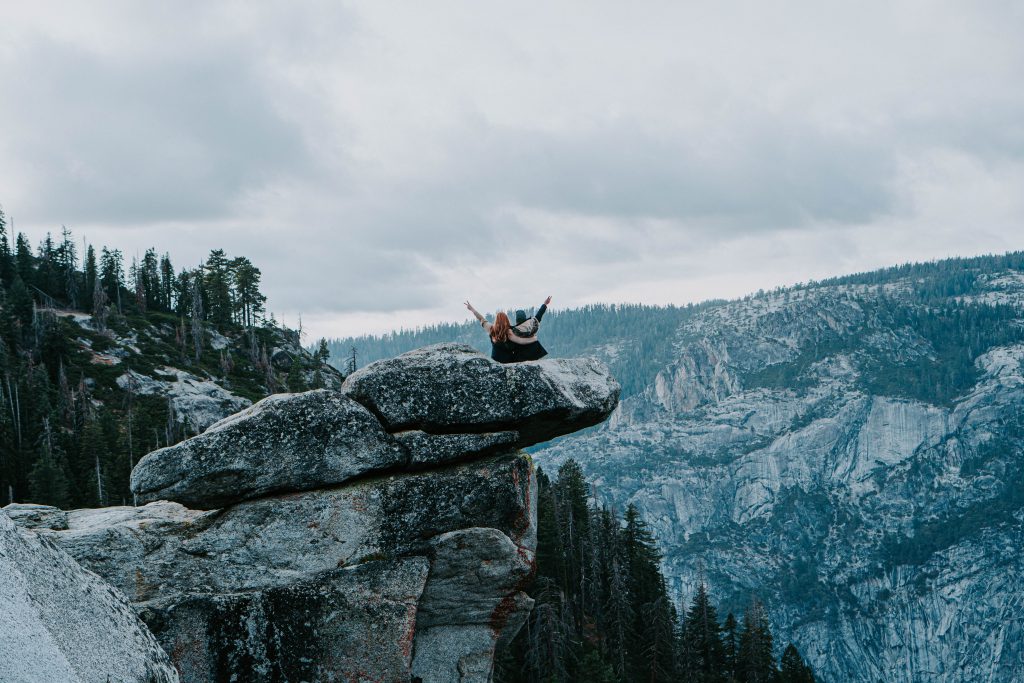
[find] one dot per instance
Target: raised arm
(543, 308)
(482, 320)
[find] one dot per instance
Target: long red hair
(499, 330)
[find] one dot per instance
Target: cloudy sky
(383, 161)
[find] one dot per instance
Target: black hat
(521, 317)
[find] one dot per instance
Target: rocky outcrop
(454, 388)
(59, 622)
(283, 443)
(31, 516)
(324, 542)
(193, 401)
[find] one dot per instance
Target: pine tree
(100, 308)
(67, 265)
(657, 653)
(323, 352)
(755, 661)
(24, 263)
(621, 618)
(652, 650)
(702, 641)
(594, 670)
(7, 268)
(90, 276)
(550, 553)
(137, 280)
(249, 301)
(574, 523)
(21, 303)
(793, 669)
(167, 283)
(96, 455)
(295, 380)
(47, 269)
(197, 316)
(48, 479)
(730, 647)
(149, 274)
(112, 275)
(216, 284)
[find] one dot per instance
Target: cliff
(385, 532)
(850, 452)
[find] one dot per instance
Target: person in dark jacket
(526, 329)
(513, 344)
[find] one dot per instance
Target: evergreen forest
(81, 329)
(603, 614)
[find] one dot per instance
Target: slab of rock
(163, 549)
(286, 442)
(474, 600)
(452, 388)
(32, 516)
(59, 622)
(427, 449)
(353, 624)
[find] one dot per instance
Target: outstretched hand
(547, 301)
(468, 305)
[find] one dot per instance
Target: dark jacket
(504, 352)
(532, 351)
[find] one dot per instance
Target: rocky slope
(147, 356)
(383, 533)
(851, 452)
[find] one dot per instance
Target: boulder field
(385, 532)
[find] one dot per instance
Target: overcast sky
(381, 162)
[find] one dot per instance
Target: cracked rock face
(321, 628)
(429, 449)
(345, 545)
(59, 622)
(474, 601)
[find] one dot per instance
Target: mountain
(849, 451)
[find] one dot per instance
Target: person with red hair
(513, 344)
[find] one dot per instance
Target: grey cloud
(355, 153)
(122, 141)
(767, 176)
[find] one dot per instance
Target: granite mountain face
(852, 454)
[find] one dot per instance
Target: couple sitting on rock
(514, 343)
